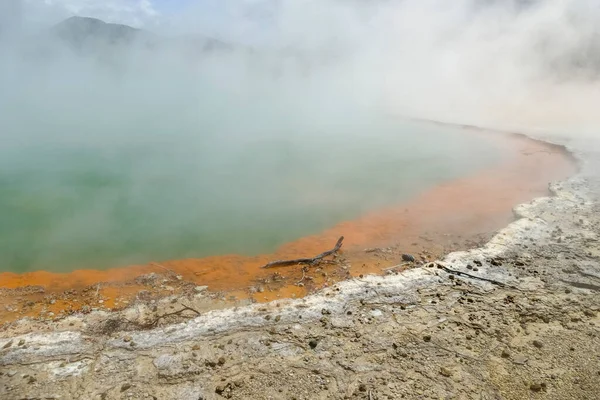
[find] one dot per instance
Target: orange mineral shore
(460, 214)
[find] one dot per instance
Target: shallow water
(114, 174)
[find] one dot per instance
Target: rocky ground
(516, 319)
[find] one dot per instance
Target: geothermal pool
(97, 200)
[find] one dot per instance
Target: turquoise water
(97, 178)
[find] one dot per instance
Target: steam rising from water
(295, 116)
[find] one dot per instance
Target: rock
(376, 313)
(221, 360)
(505, 354)
(195, 347)
(538, 344)
(127, 338)
(313, 343)
(589, 313)
(200, 289)
(537, 387)
(21, 342)
(362, 387)
(125, 387)
(11, 373)
(427, 338)
(520, 359)
(408, 258)
(445, 372)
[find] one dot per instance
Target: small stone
(589, 313)
(8, 344)
(408, 258)
(195, 347)
(445, 372)
(536, 387)
(538, 344)
(277, 318)
(221, 360)
(11, 373)
(427, 338)
(21, 342)
(125, 387)
(220, 389)
(505, 354)
(546, 319)
(313, 343)
(520, 359)
(200, 289)
(362, 387)
(127, 338)
(31, 380)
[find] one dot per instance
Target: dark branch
(310, 261)
(481, 278)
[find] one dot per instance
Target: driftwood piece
(178, 312)
(481, 278)
(309, 261)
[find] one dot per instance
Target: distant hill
(85, 35)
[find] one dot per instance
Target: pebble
(200, 289)
(427, 338)
(505, 354)
(313, 343)
(520, 359)
(408, 258)
(125, 386)
(536, 387)
(538, 344)
(445, 372)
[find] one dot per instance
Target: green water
(130, 171)
(64, 209)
